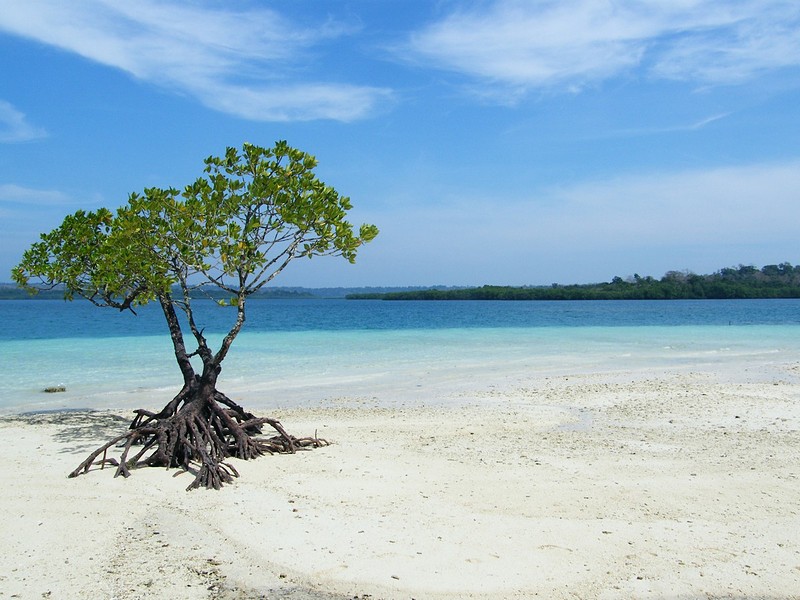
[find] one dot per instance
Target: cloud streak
(695, 126)
(712, 206)
(697, 219)
(14, 126)
(238, 62)
(514, 46)
(30, 197)
(26, 212)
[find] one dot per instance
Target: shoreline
(299, 369)
(657, 484)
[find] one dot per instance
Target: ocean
(306, 352)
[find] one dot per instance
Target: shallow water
(306, 351)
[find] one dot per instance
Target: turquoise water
(306, 351)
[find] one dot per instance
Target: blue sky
(504, 142)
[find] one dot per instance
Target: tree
(232, 231)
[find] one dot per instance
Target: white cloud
(17, 194)
(214, 54)
(14, 126)
(521, 45)
(299, 102)
(694, 126)
(715, 206)
(24, 213)
(697, 219)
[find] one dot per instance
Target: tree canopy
(235, 228)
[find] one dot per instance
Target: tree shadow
(78, 428)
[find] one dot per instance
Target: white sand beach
(649, 484)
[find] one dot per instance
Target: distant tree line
(771, 281)
(10, 291)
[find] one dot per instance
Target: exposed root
(199, 437)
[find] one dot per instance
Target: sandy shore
(623, 485)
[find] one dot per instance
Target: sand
(654, 484)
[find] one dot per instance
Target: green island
(770, 281)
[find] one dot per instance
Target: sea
(305, 352)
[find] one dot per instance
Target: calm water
(303, 351)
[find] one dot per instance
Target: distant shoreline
(730, 283)
(573, 293)
(9, 291)
(744, 282)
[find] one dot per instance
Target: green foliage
(252, 212)
(94, 255)
(772, 281)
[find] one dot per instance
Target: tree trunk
(197, 431)
(200, 428)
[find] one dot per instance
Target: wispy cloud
(695, 126)
(653, 222)
(30, 197)
(239, 62)
(707, 121)
(514, 46)
(14, 126)
(25, 211)
(705, 207)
